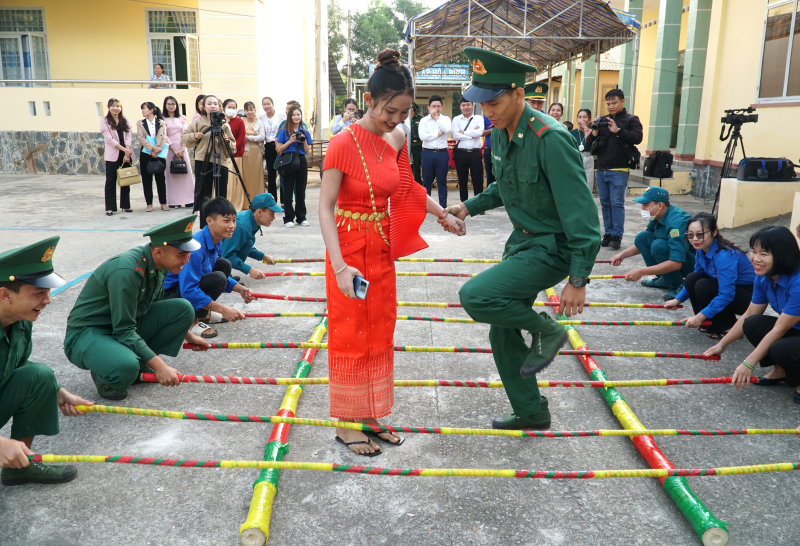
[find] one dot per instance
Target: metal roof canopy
(537, 32)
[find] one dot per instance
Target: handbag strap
(369, 183)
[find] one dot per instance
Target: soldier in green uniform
(542, 184)
(663, 244)
(119, 324)
(415, 144)
(535, 95)
(29, 393)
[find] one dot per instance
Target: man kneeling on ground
(29, 392)
(663, 245)
(242, 245)
(120, 324)
(207, 276)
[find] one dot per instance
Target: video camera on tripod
(739, 116)
(735, 119)
(217, 119)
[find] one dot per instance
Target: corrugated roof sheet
(532, 31)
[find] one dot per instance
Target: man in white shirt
(467, 130)
(433, 130)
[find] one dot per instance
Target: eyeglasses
(699, 235)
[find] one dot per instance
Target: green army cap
(32, 264)
(415, 107)
(493, 74)
(536, 91)
(177, 233)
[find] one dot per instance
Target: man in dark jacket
(612, 140)
(415, 144)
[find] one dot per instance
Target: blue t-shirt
(730, 267)
(283, 138)
(487, 141)
(783, 296)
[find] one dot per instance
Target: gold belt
(359, 218)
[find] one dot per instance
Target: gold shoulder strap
(369, 183)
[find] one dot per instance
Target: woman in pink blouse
(118, 150)
(180, 187)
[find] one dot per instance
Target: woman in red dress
(366, 165)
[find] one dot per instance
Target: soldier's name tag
(496, 158)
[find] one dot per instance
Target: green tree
(337, 41)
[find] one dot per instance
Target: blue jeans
(612, 186)
(434, 164)
(655, 251)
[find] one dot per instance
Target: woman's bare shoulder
(397, 138)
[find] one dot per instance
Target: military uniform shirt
(242, 245)
(672, 228)
(15, 349)
(117, 295)
(541, 181)
(415, 141)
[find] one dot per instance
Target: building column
(634, 7)
(694, 69)
(568, 89)
(587, 83)
(665, 76)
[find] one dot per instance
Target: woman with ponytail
(721, 286)
(153, 126)
(367, 169)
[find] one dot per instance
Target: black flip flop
(375, 436)
(348, 444)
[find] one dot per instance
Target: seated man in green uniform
(542, 184)
(663, 245)
(119, 324)
(29, 393)
(242, 244)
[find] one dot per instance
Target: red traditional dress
(361, 332)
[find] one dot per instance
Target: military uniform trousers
(503, 296)
(416, 165)
(162, 328)
(29, 396)
(655, 251)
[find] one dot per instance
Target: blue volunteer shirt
(783, 296)
(283, 138)
(242, 245)
(487, 141)
(730, 267)
(201, 262)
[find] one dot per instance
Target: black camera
(300, 135)
(601, 122)
(217, 119)
(740, 116)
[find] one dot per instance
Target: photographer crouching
(612, 141)
(198, 133)
(295, 141)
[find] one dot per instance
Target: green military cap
(536, 91)
(177, 233)
(493, 74)
(415, 106)
(32, 264)
(653, 193)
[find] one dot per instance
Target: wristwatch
(579, 282)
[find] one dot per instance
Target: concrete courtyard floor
(134, 505)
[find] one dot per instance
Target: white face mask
(646, 213)
(230, 112)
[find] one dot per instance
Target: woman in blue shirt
(776, 259)
(721, 286)
(294, 183)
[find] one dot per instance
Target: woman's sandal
(368, 442)
(204, 330)
(376, 436)
(717, 335)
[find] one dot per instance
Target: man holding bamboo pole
(542, 184)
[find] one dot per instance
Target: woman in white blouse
(271, 121)
(252, 160)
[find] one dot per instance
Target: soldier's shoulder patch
(674, 233)
(139, 267)
(538, 126)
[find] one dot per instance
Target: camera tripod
(735, 135)
(214, 152)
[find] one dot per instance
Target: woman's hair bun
(388, 57)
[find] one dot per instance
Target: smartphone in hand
(360, 287)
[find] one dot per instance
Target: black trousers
(416, 166)
(469, 164)
(272, 175)
(294, 184)
(211, 284)
(785, 352)
(204, 185)
(111, 186)
(702, 289)
(487, 162)
(147, 179)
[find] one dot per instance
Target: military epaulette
(139, 265)
(538, 126)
